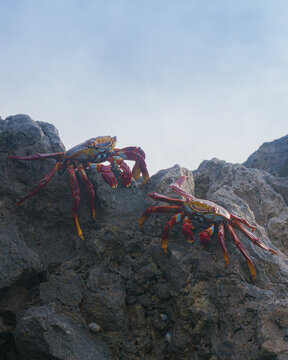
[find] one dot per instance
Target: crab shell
(95, 149)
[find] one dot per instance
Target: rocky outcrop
(271, 157)
(117, 295)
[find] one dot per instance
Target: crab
(209, 213)
(90, 155)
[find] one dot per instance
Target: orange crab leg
(243, 221)
(164, 198)
(239, 246)
(165, 234)
(76, 196)
(42, 183)
(157, 209)
(187, 229)
(253, 238)
(221, 239)
(89, 188)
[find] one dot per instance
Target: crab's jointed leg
(205, 236)
(243, 221)
(253, 238)
(221, 239)
(126, 175)
(137, 154)
(106, 173)
(169, 224)
(164, 198)
(76, 197)
(187, 229)
(42, 183)
(176, 188)
(239, 246)
(89, 188)
(157, 209)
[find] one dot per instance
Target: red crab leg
(221, 239)
(42, 183)
(126, 175)
(106, 173)
(176, 188)
(239, 245)
(187, 229)
(89, 188)
(243, 221)
(138, 155)
(157, 209)
(37, 156)
(169, 224)
(164, 198)
(253, 238)
(205, 236)
(76, 197)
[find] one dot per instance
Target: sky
(186, 80)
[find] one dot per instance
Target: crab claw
(138, 155)
(107, 175)
(205, 236)
(126, 175)
(187, 229)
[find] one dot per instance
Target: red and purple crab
(90, 155)
(207, 211)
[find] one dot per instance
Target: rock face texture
(117, 295)
(271, 157)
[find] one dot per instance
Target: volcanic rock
(146, 304)
(271, 157)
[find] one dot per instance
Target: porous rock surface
(117, 295)
(271, 157)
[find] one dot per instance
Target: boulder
(271, 157)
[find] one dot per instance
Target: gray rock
(44, 333)
(17, 262)
(55, 285)
(271, 157)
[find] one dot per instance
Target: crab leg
(221, 239)
(37, 156)
(105, 172)
(164, 198)
(205, 236)
(243, 221)
(138, 155)
(169, 224)
(239, 246)
(42, 183)
(157, 209)
(253, 238)
(126, 175)
(76, 196)
(89, 188)
(176, 188)
(187, 229)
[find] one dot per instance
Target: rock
(18, 263)
(42, 332)
(271, 157)
(117, 295)
(95, 328)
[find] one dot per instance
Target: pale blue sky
(186, 80)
